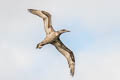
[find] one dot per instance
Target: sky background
(94, 39)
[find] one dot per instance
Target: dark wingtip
(72, 73)
(72, 69)
(30, 10)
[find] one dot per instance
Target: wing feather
(67, 53)
(46, 18)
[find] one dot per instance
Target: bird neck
(60, 32)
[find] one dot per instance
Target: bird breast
(51, 37)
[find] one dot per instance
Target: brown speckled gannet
(52, 37)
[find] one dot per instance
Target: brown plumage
(52, 37)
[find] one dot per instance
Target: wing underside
(46, 19)
(67, 53)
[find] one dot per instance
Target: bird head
(63, 31)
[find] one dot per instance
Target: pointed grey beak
(67, 31)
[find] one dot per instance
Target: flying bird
(52, 37)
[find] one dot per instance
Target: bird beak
(67, 31)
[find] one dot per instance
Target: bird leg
(40, 45)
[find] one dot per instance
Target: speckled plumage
(52, 37)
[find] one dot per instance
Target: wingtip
(72, 70)
(31, 10)
(72, 73)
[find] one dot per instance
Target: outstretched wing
(46, 18)
(67, 53)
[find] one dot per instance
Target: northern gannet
(52, 37)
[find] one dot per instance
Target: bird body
(52, 37)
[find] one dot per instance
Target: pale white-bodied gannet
(52, 37)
